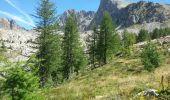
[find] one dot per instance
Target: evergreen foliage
(19, 83)
(150, 57)
(49, 53)
(117, 43)
(106, 38)
(73, 55)
(128, 40)
(92, 47)
(143, 36)
(156, 33)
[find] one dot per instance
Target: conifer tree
(117, 43)
(73, 54)
(128, 40)
(92, 47)
(49, 52)
(155, 33)
(106, 39)
(143, 36)
(20, 83)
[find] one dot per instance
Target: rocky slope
(17, 40)
(83, 18)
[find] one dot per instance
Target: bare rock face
(143, 12)
(83, 18)
(19, 43)
(8, 24)
(125, 14)
(105, 5)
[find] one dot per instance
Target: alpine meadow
(71, 50)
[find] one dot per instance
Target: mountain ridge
(9, 24)
(134, 13)
(125, 16)
(83, 18)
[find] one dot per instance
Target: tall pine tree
(49, 52)
(106, 39)
(73, 55)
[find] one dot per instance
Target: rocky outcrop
(8, 24)
(134, 13)
(17, 40)
(111, 6)
(143, 12)
(123, 13)
(19, 43)
(150, 93)
(83, 18)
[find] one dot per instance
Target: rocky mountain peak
(8, 24)
(144, 12)
(83, 18)
(68, 12)
(111, 6)
(125, 14)
(122, 12)
(117, 3)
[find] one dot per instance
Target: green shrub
(128, 40)
(164, 95)
(34, 96)
(150, 57)
(19, 84)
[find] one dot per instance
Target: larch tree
(92, 47)
(73, 54)
(106, 39)
(128, 40)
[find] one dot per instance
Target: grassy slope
(122, 78)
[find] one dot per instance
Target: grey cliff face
(123, 14)
(83, 18)
(143, 12)
(110, 6)
(135, 13)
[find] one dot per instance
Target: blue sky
(21, 10)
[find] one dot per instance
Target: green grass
(123, 78)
